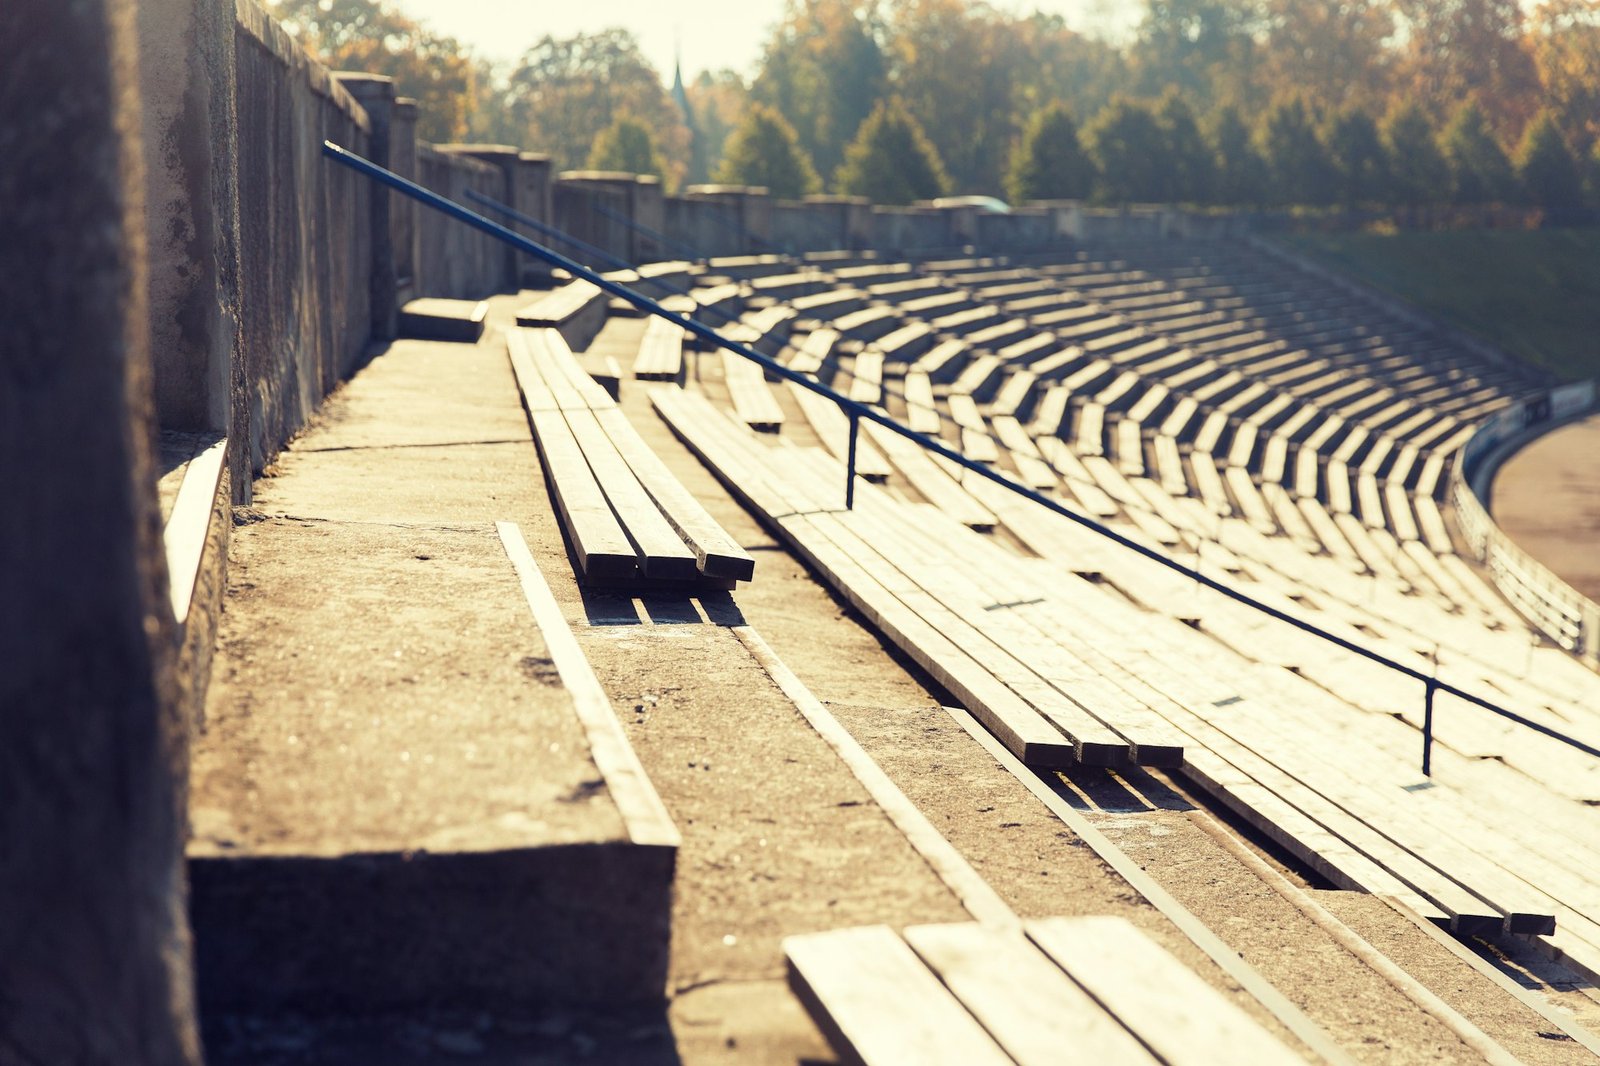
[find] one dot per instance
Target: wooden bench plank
(660, 355)
(603, 549)
(1172, 1011)
(922, 413)
(717, 554)
(832, 427)
(753, 400)
(662, 554)
(1025, 1001)
(878, 1004)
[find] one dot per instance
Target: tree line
(1397, 103)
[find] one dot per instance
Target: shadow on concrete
(721, 610)
(624, 1036)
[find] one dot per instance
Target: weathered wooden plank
(877, 1004)
(603, 549)
(661, 552)
(717, 554)
(1172, 1011)
(1026, 1002)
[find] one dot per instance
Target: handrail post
(850, 464)
(1427, 728)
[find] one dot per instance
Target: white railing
(1562, 613)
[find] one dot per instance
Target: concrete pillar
(375, 93)
(595, 206)
(402, 209)
(648, 209)
(749, 211)
(508, 161)
(187, 79)
(94, 947)
(535, 181)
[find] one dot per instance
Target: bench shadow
(608, 607)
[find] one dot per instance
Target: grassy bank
(1535, 294)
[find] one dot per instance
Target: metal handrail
(858, 411)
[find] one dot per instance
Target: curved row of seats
(1153, 419)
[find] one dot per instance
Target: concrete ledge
(444, 320)
(583, 923)
(412, 790)
(577, 310)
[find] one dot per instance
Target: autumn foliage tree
(891, 161)
(1049, 163)
(1547, 169)
(625, 145)
(375, 38)
(765, 150)
(1479, 170)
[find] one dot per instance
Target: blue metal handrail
(858, 411)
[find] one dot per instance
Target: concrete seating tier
(975, 995)
(1301, 795)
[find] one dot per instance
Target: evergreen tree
(1128, 144)
(1301, 170)
(1592, 179)
(1049, 163)
(625, 145)
(765, 150)
(891, 161)
(1480, 173)
(1360, 164)
(1192, 168)
(1241, 172)
(1418, 173)
(1547, 170)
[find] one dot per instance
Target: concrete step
(410, 789)
(443, 320)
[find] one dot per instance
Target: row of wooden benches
(1027, 644)
(629, 521)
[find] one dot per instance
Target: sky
(714, 34)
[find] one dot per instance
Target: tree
(1469, 50)
(1301, 170)
(1127, 144)
(1192, 168)
(1241, 175)
(1049, 163)
(1206, 48)
(720, 101)
(1479, 170)
(1418, 173)
(823, 70)
(956, 65)
(891, 160)
(1564, 37)
(765, 150)
(1547, 170)
(565, 91)
(374, 37)
(625, 145)
(1332, 53)
(1361, 166)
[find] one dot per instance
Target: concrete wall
(718, 220)
(305, 228)
(454, 260)
(94, 946)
